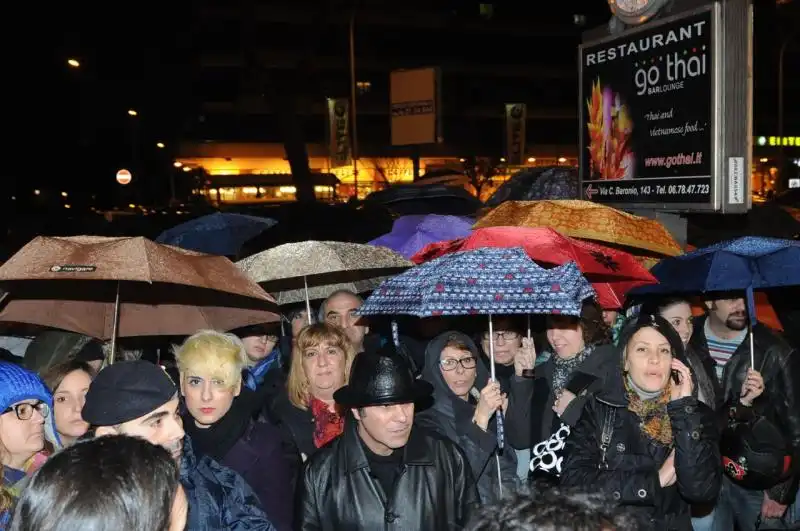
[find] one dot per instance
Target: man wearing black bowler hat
(382, 473)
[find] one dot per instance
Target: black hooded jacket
(452, 417)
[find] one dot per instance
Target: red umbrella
(612, 272)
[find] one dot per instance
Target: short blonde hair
(212, 354)
(297, 386)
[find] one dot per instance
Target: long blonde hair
(297, 385)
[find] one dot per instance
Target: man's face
(162, 426)
(259, 347)
(385, 428)
(730, 312)
(340, 310)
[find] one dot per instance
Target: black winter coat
(451, 417)
(779, 365)
(628, 468)
(433, 490)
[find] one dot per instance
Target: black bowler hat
(379, 379)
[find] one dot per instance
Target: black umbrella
(407, 200)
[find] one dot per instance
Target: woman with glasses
(464, 409)
(25, 405)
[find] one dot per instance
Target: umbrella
(547, 182)
(442, 176)
(746, 263)
(219, 233)
(410, 199)
(411, 233)
(585, 220)
(305, 271)
(117, 287)
(482, 281)
(611, 271)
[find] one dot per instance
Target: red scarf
(327, 424)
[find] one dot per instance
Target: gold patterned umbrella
(586, 220)
(311, 270)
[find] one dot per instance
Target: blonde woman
(210, 364)
(321, 359)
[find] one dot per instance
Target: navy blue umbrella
(744, 264)
(219, 233)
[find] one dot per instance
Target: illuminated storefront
(249, 173)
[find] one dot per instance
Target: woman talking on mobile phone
(645, 439)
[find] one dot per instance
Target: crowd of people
(607, 421)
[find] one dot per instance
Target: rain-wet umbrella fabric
(219, 233)
(73, 283)
(749, 262)
(587, 221)
(410, 199)
(483, 281)
(534, 184)
(411, 233)
(612, 272)
(324, 266)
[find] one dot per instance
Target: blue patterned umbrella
(482, 281)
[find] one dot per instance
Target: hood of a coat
(445, 402)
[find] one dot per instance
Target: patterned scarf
(653, 417)
(327, 424)
(562, 369)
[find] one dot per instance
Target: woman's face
(21, 439)
(679, 315)
(324, 366)
(565, 335)
(68, 401)
(259, 347)
(458, 379)
(208, 399)
(299, 321)
(506, 344)
(648, 357)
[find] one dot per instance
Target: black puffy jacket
(434, 489)
(780, 403)
(628, 468)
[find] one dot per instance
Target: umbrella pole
(308, 302)
(498, 414)
(113, 352)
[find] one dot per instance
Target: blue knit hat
(18, 384)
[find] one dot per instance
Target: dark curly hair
(554, 509)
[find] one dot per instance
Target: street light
(177, 164)
(160, 145)
(187, 169)
(562, 160)
(63, 194)
(132, 112)
(74, 63)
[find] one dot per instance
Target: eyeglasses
(451, 363)
(24, 411)
(506, 335)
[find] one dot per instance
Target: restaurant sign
(650, 133)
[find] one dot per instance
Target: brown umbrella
(95, 285)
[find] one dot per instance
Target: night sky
(70, 128)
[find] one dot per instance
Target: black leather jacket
(434, 489)
(780, 402)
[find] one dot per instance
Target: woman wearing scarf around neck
(220, 425)
(645, 438)
(555, 394)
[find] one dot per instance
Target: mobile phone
(676, 377)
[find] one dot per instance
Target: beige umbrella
(109, 287)
(311, 270)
